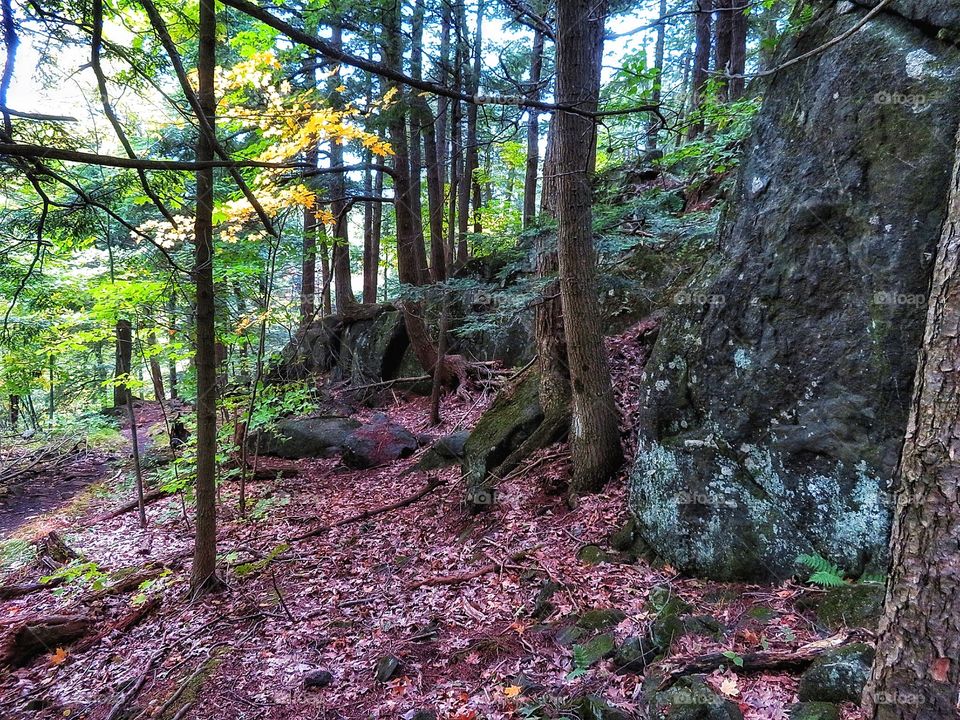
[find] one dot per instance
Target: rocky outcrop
(776, 397)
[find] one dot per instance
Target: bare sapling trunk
(203, 577)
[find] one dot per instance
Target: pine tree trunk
(308, 273)
(371, 251)
(653, 124)
(701, 61)
(533, 133)
(916, 675)
(594, 427)
(738, 52)
(203, 576)
(723, 32)
(342, 276)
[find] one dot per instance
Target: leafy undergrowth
(343, 600)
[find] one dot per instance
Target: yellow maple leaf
(512, 691)
(58, 656)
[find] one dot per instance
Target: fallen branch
(762, 660)
(10, 592)
(121, 625)
(462, 577)
(150, 497)
(432, 485)
(30, 638)
(117, 710)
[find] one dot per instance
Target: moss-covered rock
(594, 707)
(592, 555)
(510, 420)
(837, 676)
(859, 605)
(600, 618)
(634, 654)
(690, 698)
(668, 623)
(814, 711)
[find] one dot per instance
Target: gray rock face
(690, 698)
(776, 397)
(305, 437)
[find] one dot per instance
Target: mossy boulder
(814, 711)
(594, 707)
(690, 698)
(446, 451)
(600, 618)
(774, 403)
(510, 420)
(669, 621)
(592, 555)
(837, 676)
(859, 605)
(634, 654)
(297, 438)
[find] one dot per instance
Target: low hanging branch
(432, 485)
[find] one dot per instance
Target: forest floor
(468, 646)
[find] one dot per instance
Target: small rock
(704, 625)
(690, 698)
(387, 668)
(837, 676)
(634, 654)
(592, 555)
(317, 679)
(420, 715)
(568, 635)
(624, 538)
(814, 711)
(600, 618)
(542, 607)
(592, 707)
(600, 647)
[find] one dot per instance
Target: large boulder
(298, 438)
(776, 397)
(377, 442)
(837, 676)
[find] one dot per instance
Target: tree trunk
(371, 251)
(723, 32)
(916, 675)
(124, 352)
(594, 426)
(438, 261)
(738, 52)
(172, 362)
(308, 275)
(203, 577)
(156, 374)
(411, 254)
(342, 277)
(701, 62)
(533, 133)
(548, 192)
(653, 124)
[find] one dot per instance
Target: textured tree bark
(438, 260)
(342, 276)
(594, 426)
(701, 61)
(653, 124)
(533, 133)
(916, 675)
(203, 576)
(156, 373)
(722, 35)
(308, 269)
(371, 250)
(738, 52)
(123, 354)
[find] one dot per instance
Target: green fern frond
(824, 572)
